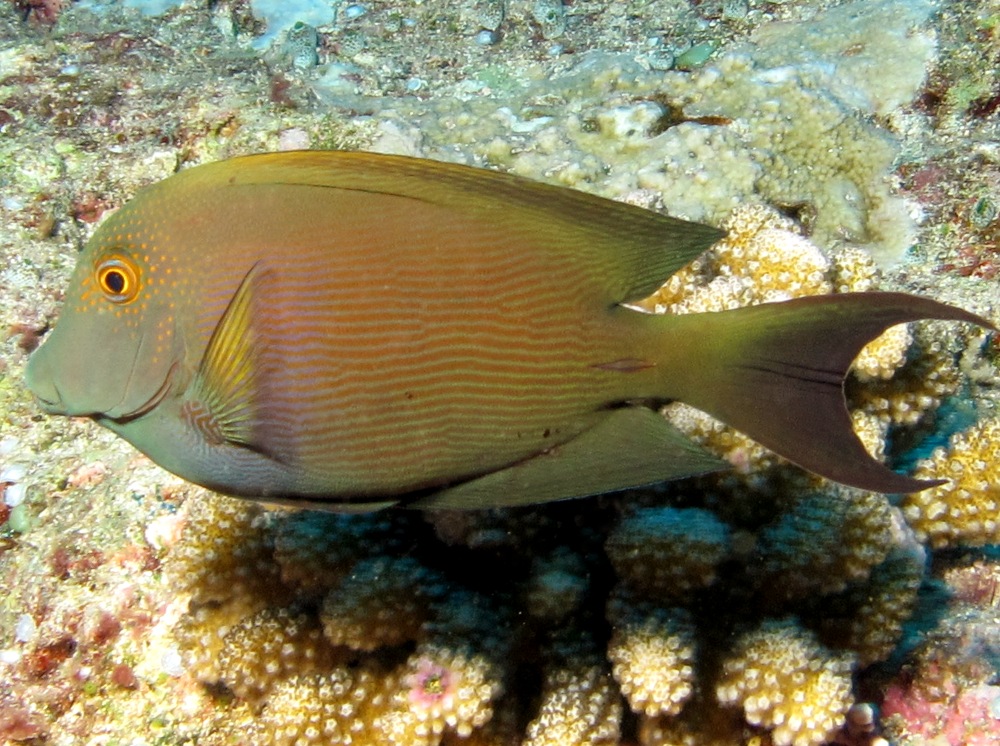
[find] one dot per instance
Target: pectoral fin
(229, 395)
(631, 447)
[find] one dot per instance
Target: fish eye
(118, 278)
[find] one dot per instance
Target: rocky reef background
(843, 146)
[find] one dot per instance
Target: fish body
(350, 330)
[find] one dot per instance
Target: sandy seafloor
(97, 101)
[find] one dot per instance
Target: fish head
(115, 350)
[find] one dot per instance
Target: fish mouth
(50, 406)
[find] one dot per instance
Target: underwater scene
(833, 148)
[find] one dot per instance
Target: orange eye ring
(118, 278)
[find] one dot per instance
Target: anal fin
(631, 447)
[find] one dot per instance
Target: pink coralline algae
(965, 717)
(40, 11)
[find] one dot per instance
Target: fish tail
(776, 372)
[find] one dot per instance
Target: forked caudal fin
(776, 372)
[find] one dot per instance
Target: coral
(315, 551)
(287, 662)
(874, 611)
(822, 542)
(964, 510)
(666, 552)
(413, 704)
(579, 708)
(762, 258)
(448, 688)
(653, 652)
(914, 391)
(226, 555)
(947, 694)
(337, 707)
(383, 602)
(311, 709)
(250, 654)
(747, 457)
(785, 680)
(266, 647)
(966, 719)
(580, 705)
(556, 586)
(702, 723)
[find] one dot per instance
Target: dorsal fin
(632, 250)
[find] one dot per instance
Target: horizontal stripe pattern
(407, 345)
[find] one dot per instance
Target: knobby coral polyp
(431, 685)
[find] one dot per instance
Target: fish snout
(41, 383)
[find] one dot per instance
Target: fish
(350, 331)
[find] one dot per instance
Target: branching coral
(580, 705)
(383, 602)
(338, 707)
(227, 553)
(965, 510)
(665, 552)
(447, 687)
(872, 612)
(653, 652)
(785, 680)
(289, 662)
(822, 542)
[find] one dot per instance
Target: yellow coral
(200, 636)
(786, 681)
(746, 455)
(871, 431)
(225, 553)
(854, 271)
(338, 707)
(580, 707)
(914, 390)
(653, 660)
(965, 510)
(311, 709)
(760, 259)
(444, 687)
(263, 649)
(881, 357)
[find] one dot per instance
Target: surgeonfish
(350, 331)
